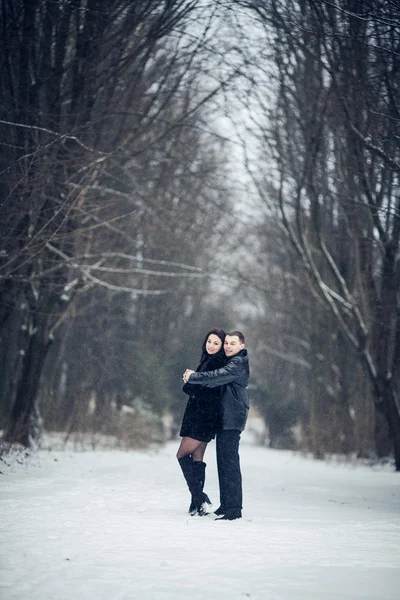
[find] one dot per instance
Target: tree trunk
(391, 413)
(23, 426)
(315, 402)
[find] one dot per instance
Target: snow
(112, 525)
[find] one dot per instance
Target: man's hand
(187, 374)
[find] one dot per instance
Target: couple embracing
(217, 407)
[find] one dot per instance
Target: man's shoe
(230, 516)
(220, 511)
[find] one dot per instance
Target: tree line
(327, 131)
(119, 213)
(110, 185)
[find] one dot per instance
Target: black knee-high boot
(200, 499)
(199, 469)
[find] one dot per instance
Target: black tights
(191, 447)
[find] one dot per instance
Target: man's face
(232, 345)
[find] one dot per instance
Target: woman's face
(213, 344)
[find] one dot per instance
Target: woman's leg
(189, 455)
(199, 467)
(191, 447)
(198, 454)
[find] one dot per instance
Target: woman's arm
(188, 389)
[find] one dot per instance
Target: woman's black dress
(202, 416)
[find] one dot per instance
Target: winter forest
(168, 166)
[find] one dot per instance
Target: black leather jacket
(234, 376)
(212, 363)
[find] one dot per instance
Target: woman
(201, 421)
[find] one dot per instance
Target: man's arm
(230, 372)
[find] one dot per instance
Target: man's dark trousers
(229, 474)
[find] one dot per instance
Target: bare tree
(119, 348)
(83, 98)
(333, 138)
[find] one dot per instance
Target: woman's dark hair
(216, 331)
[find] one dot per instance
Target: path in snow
(113, 526)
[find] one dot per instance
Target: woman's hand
(187, 374)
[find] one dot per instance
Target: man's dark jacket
(234, 376)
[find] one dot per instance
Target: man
(234, 376)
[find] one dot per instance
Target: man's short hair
(239, 335)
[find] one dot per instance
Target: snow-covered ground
(113, 526)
